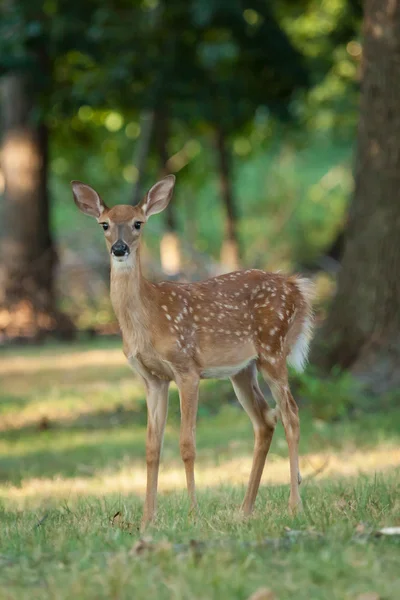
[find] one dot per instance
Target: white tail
(299, 353)
(227, 326)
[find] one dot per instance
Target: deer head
(123, 224)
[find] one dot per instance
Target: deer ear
(87, 199)
(158, 197)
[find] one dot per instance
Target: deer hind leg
(263, 419)
(157, 408)
(277, 379)
(189, 397)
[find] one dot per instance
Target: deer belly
(223, 372)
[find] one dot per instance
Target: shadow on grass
(79, 449)
(80, 458)
(214, 396)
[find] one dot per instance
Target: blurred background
(281, 122)
(254, 106)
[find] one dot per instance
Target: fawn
(231, 326)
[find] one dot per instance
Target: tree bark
(230, 251)
(27, 298)
(362, 330)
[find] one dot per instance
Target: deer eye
(137, 224)
(105, 226)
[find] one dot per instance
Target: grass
(72, 431)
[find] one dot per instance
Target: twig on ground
(317, 471)
(41, 521)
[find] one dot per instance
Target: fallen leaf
(141, 546)
(389, 531)
(360, 528)
(263, 594)
(115, 521)
(369, 596)
(118, 521)
(197, 548)
(44, 424)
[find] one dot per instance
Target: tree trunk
(170, 249)
(362, 331)
(27, 299)
(230, 251)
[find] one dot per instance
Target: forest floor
(72, 432)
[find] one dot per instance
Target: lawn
(72, 431)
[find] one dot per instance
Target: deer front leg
(189, 394)
(157, 408)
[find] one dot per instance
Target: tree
(230, 251)
(362, 330)
(27, 296)
(34, 39)
(27, 246)
(169, 244)
(211, 65)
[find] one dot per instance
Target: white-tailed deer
(227, 326)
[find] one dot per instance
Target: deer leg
(157, 408)
(189, 395)
(289, 413)
(263, 419)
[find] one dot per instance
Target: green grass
(72, 431)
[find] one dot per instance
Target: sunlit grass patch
(329, 551)
(72, 455)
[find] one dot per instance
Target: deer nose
(119, 248)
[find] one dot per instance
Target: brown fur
(227, 326)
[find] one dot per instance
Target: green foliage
(291, 195)
(327, 35)
(95, 65)
(328, 398)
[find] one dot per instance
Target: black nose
(120, 248)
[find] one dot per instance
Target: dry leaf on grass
(146, 544)
(44, 424)
(388, 531)
(369, 596)
(118, 521)
(361, 528)
(141, 546)
(197, 548)
(263, 594)
(115, 521)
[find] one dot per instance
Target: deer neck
(129, 290)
